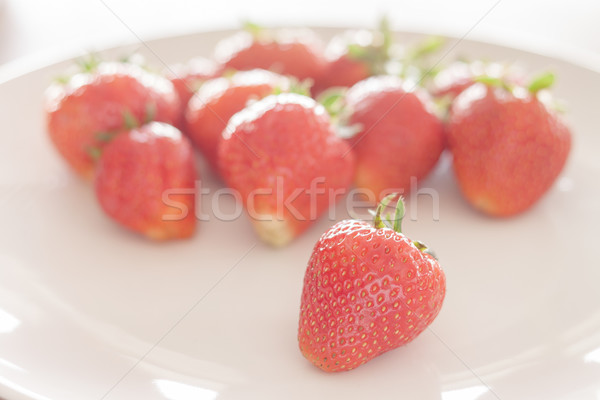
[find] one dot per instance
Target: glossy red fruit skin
(138, 171)
(341, 72)
(211, 108)
(187, 79)
(343, 69)
(280, 145)
(400, 138)
(295, 53)
(507, 150)
(93, 104)
(366, 291)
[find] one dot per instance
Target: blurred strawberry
(459, 75)
(209, 110)
(298, 52)
(281, 154)
(89, 108)
(508, 146)
(399, 138)
(145, 181)
(188, 77)
(353, 56)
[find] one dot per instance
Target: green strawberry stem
(398, 215)
(256, 30)
(493, 82)
(394, 222)
(389, 221)
(89, 63)
(333, 100)
(424, 48)
(542, 81)
(150, 112)
(104, 136)
(94, 152)
(386, 36)
(377, 54)
(129, 120)
(300, 86)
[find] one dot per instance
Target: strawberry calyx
(257, 31)
(333, 99)
(129, 122)
(376, 54)
(296, 86)
(493, 81)
(424, 48)
(394, 220)
(391, 221)
(104, 137)
(542, 81)
(415, 64)
(334, 102)
(94, 152)
(89, 63)
(86, 64)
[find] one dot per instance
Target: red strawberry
(458, 76)
(187, 79)
(145, 181)
(289, 52)
(210, 109)
(83, 114)
(354, 56)
(508, 147)
(399, 137)
(283, 157)
(367, 289)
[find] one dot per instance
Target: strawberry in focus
(298, 53)
(281, 154)
(83, 114)
(213, 105)
(146, 180)
(367, 289)
(508, 146)
(399, 138)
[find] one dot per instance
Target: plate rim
(577, 56)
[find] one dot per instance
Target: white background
(30, 28)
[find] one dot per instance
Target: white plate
(89, 311)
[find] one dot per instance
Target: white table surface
(34, 28)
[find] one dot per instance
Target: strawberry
(187, 79)
(298, 53)
(508, 146)
(144, 181)
(87, 111)
(458, 76)
(353, 56)
(367, 290)
(283, 157)
(209, 110)
(399, 138)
